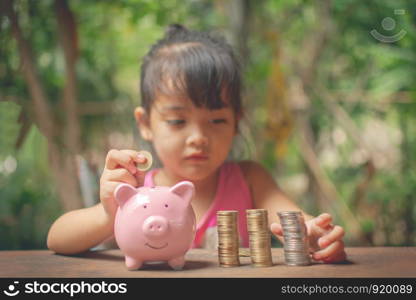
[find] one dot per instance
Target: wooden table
(362, 262)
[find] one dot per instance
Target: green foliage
(365, 77)
(28, 204)
(9, 127)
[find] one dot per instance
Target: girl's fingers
(276, 228)
(323, 220)
(139, 176)
(120, 176)
(136, 156)
(116, 158)
(125, 158)
(335, 234)
(320, 225)
(140, 161)
(331, 250)
(338, 257)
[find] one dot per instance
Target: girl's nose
(198, 138)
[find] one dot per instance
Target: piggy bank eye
(166, 205)
(145, 206)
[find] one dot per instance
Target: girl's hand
(325, 239)
(120, 167)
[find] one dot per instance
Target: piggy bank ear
(184, 189)
(124, 192)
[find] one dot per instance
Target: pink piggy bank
(155, 223)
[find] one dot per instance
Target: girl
(191, 108)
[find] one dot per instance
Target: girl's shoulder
(246, 166)
(257, 177)
(264, 189)
(252, 171)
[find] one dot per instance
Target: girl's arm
(80, 230)
(266, 193)
(325, 238)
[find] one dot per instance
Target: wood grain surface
(362, 262)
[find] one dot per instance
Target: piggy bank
(154, 223)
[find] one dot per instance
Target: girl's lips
(197, 157)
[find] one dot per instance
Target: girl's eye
(219, 121)
(175, 122)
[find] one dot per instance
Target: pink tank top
(232, 194)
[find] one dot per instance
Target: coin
(244, 252)
(259, 237)
(228, 238)
(296, 248)
(149, 160)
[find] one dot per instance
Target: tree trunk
(62, 160)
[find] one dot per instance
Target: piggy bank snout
(155, 226)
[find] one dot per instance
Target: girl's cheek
(167, 146)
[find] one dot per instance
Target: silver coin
(296, 250)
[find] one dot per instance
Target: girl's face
(191, 142)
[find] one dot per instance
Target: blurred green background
(329, 92)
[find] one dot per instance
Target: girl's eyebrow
(174, 108)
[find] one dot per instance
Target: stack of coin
(259, 237)
(228, 238)
(296, 246)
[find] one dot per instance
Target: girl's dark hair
(194, 65)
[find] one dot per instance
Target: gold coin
(228, 239)
(149, 160)
(244, 252)
(259, 238)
